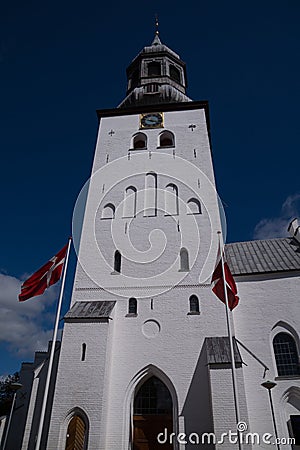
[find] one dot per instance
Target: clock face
(151, 120)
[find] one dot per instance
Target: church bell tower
(134, 361)
(156, 75)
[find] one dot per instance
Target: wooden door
(76, 434)
(146, 430)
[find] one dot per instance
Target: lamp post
(270, 385)
(14, 387)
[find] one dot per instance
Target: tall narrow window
(194, 304)
(154, 69)
(134, 79)
(83, 352)
(286, 355)
(76, 434)
(132, 306)
(108, 211)
(184, 260)
(139, 141)
(193, 206)
(150, 207)
(166, 139)
(175, 73)
(130, 202)
(117, 262)
(171, 200)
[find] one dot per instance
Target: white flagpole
(235, 394)
(51, 358)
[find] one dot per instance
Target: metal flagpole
(235, 395)
(51, 358)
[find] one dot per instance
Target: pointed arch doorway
(152, 414)
(76, 434)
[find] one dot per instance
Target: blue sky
(61, 61)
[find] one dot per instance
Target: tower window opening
(132, 306)
(175, 74)
(150, 205)
(193, 206)
(171, 200)
(184, 260)
(139, 141)
(108, 211)
(134, 79)
(166, 139)
(194, 304)
(286, 355)
(129, 209)
(117, 261)
(83, 352)
(154, 69)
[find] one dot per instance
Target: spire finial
(156, 25)
(156, 40)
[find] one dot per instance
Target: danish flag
(219, 285)
(47, 275)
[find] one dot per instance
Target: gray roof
(270, 255)
(90, 310)
(218, 350)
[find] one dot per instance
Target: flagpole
(51, 358)
(235, 394)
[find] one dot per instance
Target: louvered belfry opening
(76, 434)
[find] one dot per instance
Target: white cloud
(277, 226)
(25, 326)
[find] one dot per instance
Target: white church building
(144, 360)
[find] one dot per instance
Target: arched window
(154, 69)
(117, 261)
(153, 397)
(132, 306)
(129, 209)
(194, 304)
(150, 207)
(175, 74)
(171, 200)
(184, 260)
(108, 211)
(83, 352)
(139, 141)
(193, 206)
(76, 434)
(286, 355)
(166, 139)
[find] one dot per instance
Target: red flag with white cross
(45, 277)
(219, 285)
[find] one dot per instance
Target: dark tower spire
(156, 75)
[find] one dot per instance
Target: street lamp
(13, 387)
(270, 385)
